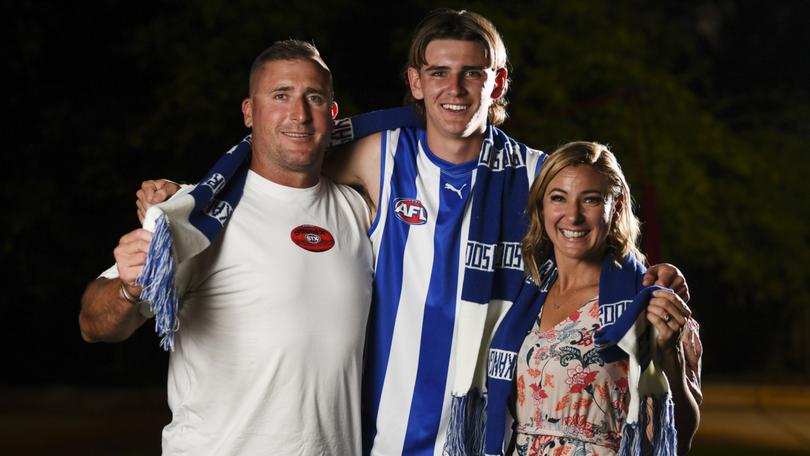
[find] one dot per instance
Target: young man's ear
(501, 82)
(415, 82)
(247, 112)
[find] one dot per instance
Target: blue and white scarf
(492, 278)
(186, 225)
(624, 333)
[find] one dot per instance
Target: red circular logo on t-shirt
(312, 238)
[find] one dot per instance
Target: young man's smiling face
(457, 86)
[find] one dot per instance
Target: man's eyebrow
(310, 90)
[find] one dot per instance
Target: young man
(265, 362)
(421, 185)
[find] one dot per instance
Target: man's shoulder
(346, 194)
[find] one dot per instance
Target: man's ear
(415, 82)
(501, 82)
(247, 112)
(334, 109)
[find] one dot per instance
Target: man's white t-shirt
(268, 355)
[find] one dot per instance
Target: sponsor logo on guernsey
(215, 182)
(488, 257)
(219, 210)
(455, 190)
(312, 238)
(609, 313)
(500, 159)
(410, 211)
(501, 364)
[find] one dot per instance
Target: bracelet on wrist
(128, 297)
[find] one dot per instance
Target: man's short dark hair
(288, 50)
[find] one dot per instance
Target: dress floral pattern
(569, 402)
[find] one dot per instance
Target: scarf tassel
(635, 441)
(466, 429)
(158, 284)
(666, 440)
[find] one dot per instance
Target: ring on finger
(667, 318)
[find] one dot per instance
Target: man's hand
(153, 192)
(108, 314)
(667, 276)
(130, 256)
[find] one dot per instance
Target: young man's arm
(680, 360)
(357, 164)
(667, 276)
(111, 310)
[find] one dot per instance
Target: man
(419, 184)
(268, 359)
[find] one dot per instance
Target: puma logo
(456, 190)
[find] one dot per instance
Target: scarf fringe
(635, 441)
(466, 429)
(158, 284)
(666, 440)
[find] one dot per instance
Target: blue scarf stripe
(389, 277)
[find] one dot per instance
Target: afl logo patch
(312, 238)
(410, 211)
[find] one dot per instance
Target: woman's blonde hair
(624, 231)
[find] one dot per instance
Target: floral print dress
(569, 402)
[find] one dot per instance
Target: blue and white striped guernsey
(420, 239)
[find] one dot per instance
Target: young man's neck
(455, 150)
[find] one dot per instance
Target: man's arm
(357, 164)
(106, 315)
(110, 310)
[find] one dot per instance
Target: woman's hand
(668, 314)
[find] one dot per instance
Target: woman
(576, 383)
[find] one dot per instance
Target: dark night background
(706, 104)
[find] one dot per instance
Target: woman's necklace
(558, 301)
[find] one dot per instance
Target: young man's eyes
(469, 74)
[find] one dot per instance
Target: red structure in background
(650, 224)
